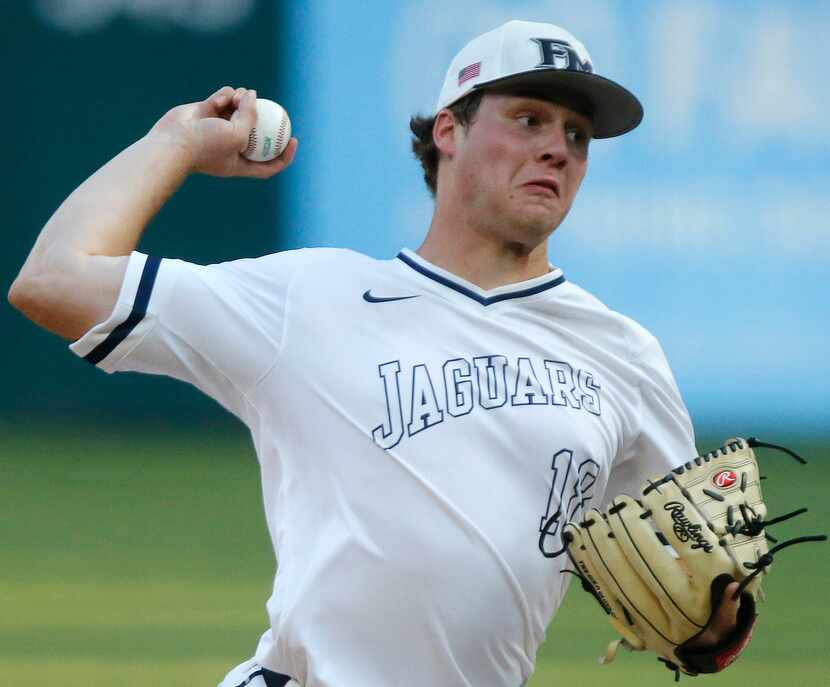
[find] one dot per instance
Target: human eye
(577, 135)
(528, 120)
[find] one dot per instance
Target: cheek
(484, 168)
(496, 163)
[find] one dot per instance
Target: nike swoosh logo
(369, 298)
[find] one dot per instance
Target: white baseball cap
(544, 58)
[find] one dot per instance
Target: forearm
(70, 279)
(107, 213)
(72, 276)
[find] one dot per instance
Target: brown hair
(423, 145)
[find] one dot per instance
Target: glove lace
(752, 524)
(729, 447)
(752, 442)
(765, 561)
(671, 665)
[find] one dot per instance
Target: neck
(479, 256)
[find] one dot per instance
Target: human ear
(443, 132)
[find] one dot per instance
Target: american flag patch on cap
(469, 72)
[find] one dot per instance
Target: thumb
(726, 616)
(244, 118)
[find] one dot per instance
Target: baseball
(271, 134)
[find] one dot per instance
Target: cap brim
(615, 110)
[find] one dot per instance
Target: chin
(537, 224)
(544, 211)
(521, 231)
(527, 224)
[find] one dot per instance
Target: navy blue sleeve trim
(270, 678)
(471, 294)
(122, 331)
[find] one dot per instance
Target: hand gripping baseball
(213, 134)
(669, 566)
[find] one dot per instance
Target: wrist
(175, 147)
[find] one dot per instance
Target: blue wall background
(708, 224)
(89, 78)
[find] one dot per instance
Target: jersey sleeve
(663, 436)
(218, 327)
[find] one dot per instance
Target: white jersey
(415, 433)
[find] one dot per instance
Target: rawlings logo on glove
(684, 530)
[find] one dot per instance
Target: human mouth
(544, 186)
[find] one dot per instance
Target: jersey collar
(531, 287)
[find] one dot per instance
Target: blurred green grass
(141, 557)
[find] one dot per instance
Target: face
(517, 167)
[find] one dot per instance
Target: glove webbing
(753, 525)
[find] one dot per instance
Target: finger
(265, 170)
(221, 100)
(238, 95)
(213, 105)
(222, 96)
(723, 622)
(290, 151)
(244, 119)
(726, 616)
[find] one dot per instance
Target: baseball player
(423, 424)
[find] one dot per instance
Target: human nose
(553, 149)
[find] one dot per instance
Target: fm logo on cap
(559, 54)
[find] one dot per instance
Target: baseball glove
(659, 564)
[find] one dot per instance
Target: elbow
(29, 289)
(19, 295)
(61, 301)
(26, 296)
(38, 301)
(68, 297)
(44, 281)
